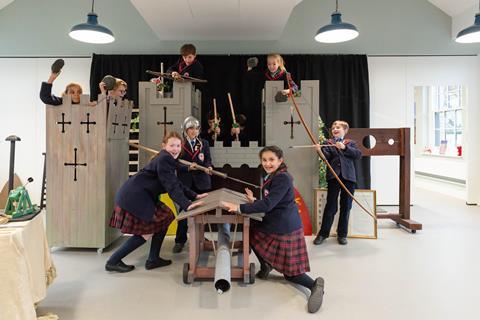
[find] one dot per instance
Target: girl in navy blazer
(341, 154)
(278, 241)
(138, 210)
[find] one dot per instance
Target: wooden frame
(391, 142)
(212, 213)
(358, 218)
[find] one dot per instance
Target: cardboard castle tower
(87, 161)
(159, 115)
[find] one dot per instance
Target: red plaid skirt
(128, 223)
(286, 253)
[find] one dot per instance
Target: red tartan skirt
(286, 253)
(128, 223)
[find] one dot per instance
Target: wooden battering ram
(391, 142)
(212, 213)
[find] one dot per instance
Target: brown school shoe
(316, 297)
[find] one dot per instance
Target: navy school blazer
(342, 161)
(278, 204)
(47, 97)
(139, 195)
(200, 155)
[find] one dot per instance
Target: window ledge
(441, 156)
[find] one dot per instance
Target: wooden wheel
(186, 267)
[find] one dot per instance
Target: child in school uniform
(341, 156)
(214, 130)
(187, 65)
(74, 90)
(197, 151)
(119, 88)
(241, 130)
(138, 210)
(276, 72)
(278, 240)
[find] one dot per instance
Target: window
(440, 118)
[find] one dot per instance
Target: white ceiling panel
(454, 7)
(216, 19)
(4, 3)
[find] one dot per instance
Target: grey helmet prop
(190, 122)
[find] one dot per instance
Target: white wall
(392, 82)
(23, 114)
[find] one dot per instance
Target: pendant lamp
(336, 31)
(472, 33)
(91, 31)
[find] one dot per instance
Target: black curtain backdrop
(344, 86)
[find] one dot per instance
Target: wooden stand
(391, 142)
(212, 213)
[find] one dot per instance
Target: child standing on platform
(239, 130)
(187, 65)
(341, 156)
(276, 71)
(196, 150)
(278, 240)
(74, 90)
(119, 88)
(214, 131)
(138, 210)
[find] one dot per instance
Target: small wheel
(398, 224)
(414, 231)
(100, 250)
(186, 267)
(252, 273)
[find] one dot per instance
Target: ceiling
(454, 7)
(4, 3)
(216, 19)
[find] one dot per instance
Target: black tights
(302, 279)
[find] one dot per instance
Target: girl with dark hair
(278, 240)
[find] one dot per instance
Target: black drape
(344, 87)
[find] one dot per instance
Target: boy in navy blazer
(341, 154)
(197, 151)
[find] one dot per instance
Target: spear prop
(197, 166)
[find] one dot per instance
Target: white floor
(433, 274)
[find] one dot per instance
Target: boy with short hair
(341, 155)
(187, 65)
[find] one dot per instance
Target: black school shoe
(57, 65)
(119, 267)
(319, 239)
(264, 272)
(178, 247)
(342, 240)
(316, 297)
(158, 263)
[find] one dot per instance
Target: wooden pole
(233, 113)
(215, 119)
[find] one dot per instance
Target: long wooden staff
(235, 124)
(321, 155)
(215, 119)
(169, 76)
(197, 166)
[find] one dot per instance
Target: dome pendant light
(91, 31)
(472, 33)
(336, 31)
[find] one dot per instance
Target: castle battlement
(236, 155)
